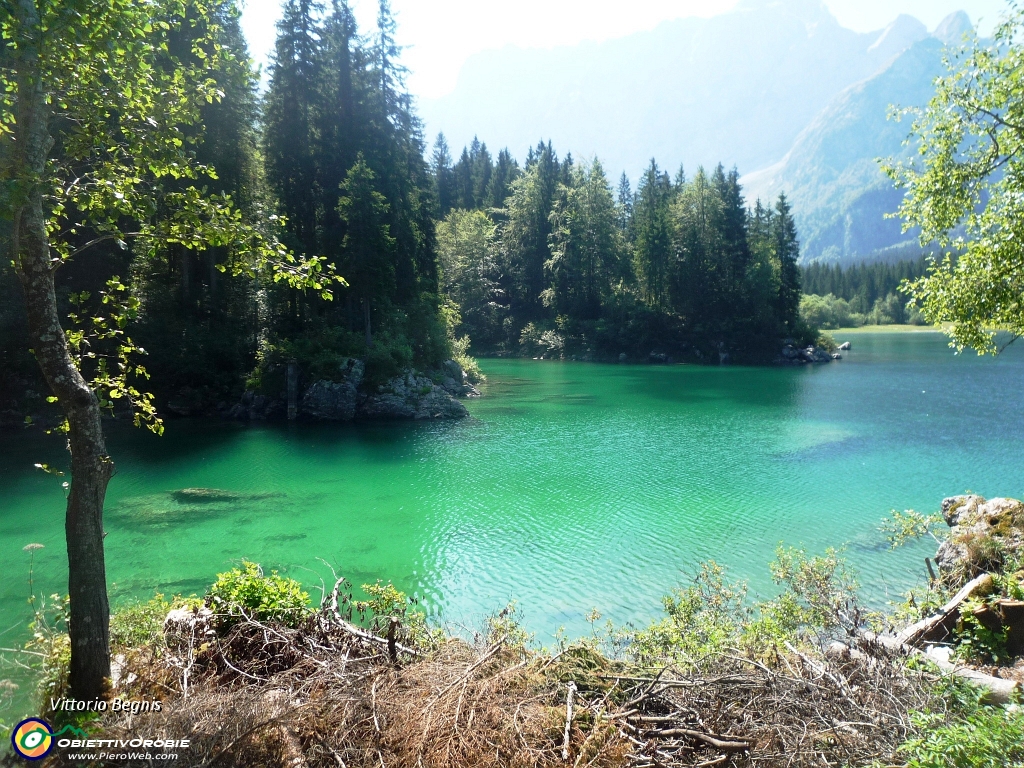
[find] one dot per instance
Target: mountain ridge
(842, 201)
(737, 88)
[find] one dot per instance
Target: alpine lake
(572, 486)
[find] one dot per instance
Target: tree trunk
(366, 319)
(91, 468)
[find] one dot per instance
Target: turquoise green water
(573, 485)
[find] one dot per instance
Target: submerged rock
(206, 496)
(217, 496)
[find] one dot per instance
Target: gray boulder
(335, 400)
(815, 355)
(410, 397)
(455, 381)
(983, 533)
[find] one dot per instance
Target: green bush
(959, 732)
(385, 601)
(138, 623)
(713, 614)
(390, 356)
(976, 642)
(700, 620)
(246, 593)
(51, 642)
(826, 342)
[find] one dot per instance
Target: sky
(441, 34)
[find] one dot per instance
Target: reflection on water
(573, 485)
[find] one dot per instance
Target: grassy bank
(885, 329)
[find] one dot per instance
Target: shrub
(386, 602)
(389, 357)
(700, 620)
(961, 733)
(976, 642)
(246, 593)
(826, 342)
(51, 642)
(137, 623)
(713, 614)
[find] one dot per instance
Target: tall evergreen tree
(506, 170)
(369, 248)
(787, 250)
(652, 236)
(290, 122)
(444, 178)
(625, 203)
(584, 244)
(526, 231)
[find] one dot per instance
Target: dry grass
(329, 694)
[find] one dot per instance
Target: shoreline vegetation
(254, 673)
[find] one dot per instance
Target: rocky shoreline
(791, 354)
(346, 397)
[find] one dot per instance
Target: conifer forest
(441, 255)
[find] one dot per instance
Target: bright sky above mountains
(442, 34)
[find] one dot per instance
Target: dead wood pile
(331, 694)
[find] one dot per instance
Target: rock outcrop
(984, 535)
(455, 380)
(411, 395)
(335, 400)
(793, 355)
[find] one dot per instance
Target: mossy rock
(985, 535)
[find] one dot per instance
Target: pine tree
(584, 244)
(289, 123)
(444, 178)
(506, 170)
(652, 236)
(787, 250)
(463, 174)
(625, 203)
(481, 173)
(526, 231)
(369, 248)
(337, 121)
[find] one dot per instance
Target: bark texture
(91, 467)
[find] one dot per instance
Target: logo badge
(32, 738)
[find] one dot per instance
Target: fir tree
(444, 178)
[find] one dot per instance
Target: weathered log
(568, 720)
(721, 743)
(939, 627)
(996, 689)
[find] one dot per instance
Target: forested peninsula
(441, 258)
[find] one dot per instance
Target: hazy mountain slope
(840, 195)
(736, 88)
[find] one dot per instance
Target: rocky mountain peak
(898, 36)
(951, 29)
